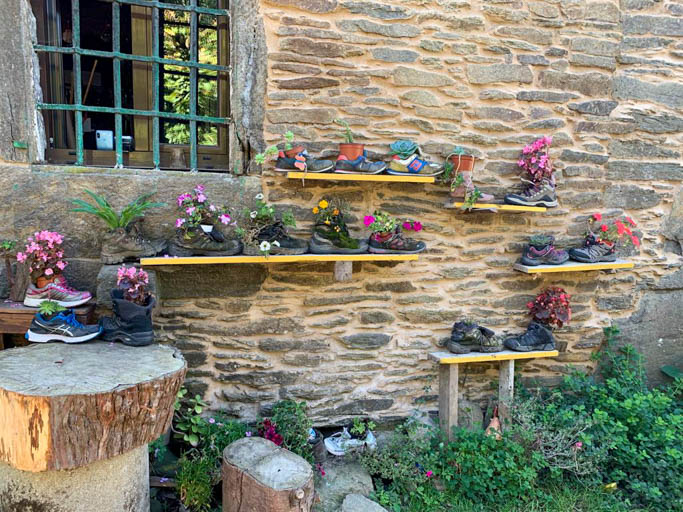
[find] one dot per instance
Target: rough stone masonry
(604, 78)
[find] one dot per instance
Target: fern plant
(102, 209)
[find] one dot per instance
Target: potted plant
(550, 309)
(362, 429)
(53, 323)
(603, 237)
(133, 305)
(459, 160)
(387, 237)
(457, 175)
(538, 178)
(295, 427)
(123, 239)
(290, 151)
(349, 149)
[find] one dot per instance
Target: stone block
(594, 107)
(593, 46)
(359, 503)
(342, 477)
(590, 84)
(421, 97)
(546, 96)
(314, 6)
(591, 61)
(532, 35)
(388, 30)
(366, 340)
(308, 82)
(498, 73)
(665, 93)
(393, 55)
(304, 46)
(379, 11)
(657, 25)
(624, 170)
(411, 77)
(301, 115)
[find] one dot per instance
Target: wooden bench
(449, 364)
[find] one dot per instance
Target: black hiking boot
(536, 337)
(594, 251)
(277, 232)
(131, 323)
(468, 336)
(195, 242)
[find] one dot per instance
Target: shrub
(294, 426)
(195, 480)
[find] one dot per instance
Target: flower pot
(462, 162)
(291, 153)
(351, 151)
(43, 281)
(207, 228)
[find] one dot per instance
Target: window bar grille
(76, 78)
(119, 111)
(156, 157)
(194, 57)
(116, 46)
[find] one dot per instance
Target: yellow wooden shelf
(498, 207)
(573, 266)
(359, 177)
(294, 258)
(482, 357)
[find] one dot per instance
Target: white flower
(253, 215)
(276, 243)
(258, 197)
(264, 247)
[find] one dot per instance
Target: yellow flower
(335, 212)
(316, 210)
(327, 222)
(337, 229)
(323, 204)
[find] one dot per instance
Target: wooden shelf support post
(448, 397)
(343, 271)
(506, 389)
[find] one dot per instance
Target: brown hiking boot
(195, 242)
(128, 244)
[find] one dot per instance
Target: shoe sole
(326, 169)
(278, 252)
(534, 263)
(611, 259)
(374, 250)
(34, 303)
(132, 340)
(532, 348)
(344, 171)
(400, 173)
(324, 249)
(180, 252)
(45, 338)
(547, 204)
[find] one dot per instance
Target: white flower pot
(207, 228)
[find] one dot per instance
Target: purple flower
(212, 207)
(190, 210)
(201, 198)
(179, 222)
(225, 219)
(212, 421)
(199, 189)
(163, 479)
(248, 434)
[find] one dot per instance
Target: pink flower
(212, 421)
(429, 474)
(199, 189)
(61, 265)
(635, 241)
(368, 220)
(621, 229)
(597, 216)
(201, 198)
(182, 198)
(190, 210)
(49, 272)
(604, 227)
(21, 257)
(417, 226)
(225, 219)
(630, 221)
(520, 163)
(407, 225)
(179, 222)
(579, 445)
(212, 208)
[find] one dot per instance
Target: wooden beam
(481, 357)
(506, 389)
(448, 398)
(295, 258)
(573, 266)
(329, 176)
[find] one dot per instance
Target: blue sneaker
(62, 327)
(360, 165)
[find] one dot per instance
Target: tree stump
(258, 475)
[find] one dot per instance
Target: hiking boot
(302, 162)
(195, 242)
(61, 327)
(547, 255)
(360, 165)
(277, 232)
(131, 323)
(413, 166)
(394, 243)
(468, 336)
(328, 239)
(535, 194)
(125, 244)
(594, 251)
(536, 337)
(57, 291)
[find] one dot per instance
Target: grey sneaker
(198, 243)
(285, 164)
(535, 194)
(326, 240)
(594, 251)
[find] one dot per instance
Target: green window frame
(193, 66)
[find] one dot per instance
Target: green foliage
(293, 425)
(218, 433)
(195, 480)
(360, 426)
(48, 308)
(189, 424)
(7, 247)
(347, 133)
(114, 220)
(260, 158)
(672, 371)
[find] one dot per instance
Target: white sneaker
(342, 443)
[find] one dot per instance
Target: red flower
(635, 241)
(621, 229)
(604, 227)
(597, 216)
(630, 221)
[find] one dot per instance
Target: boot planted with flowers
(538, 178)
(387, 235)
(601, 245)
(459, 169)
(197, 227)
(330, 233)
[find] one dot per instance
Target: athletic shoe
(535, 194)
(342, 443)
(413, 166)
(394, 243)
(277, 232)
(327, 240)
(594, 251)
(547, 255)
(57, 291)
(536, 337)
(360, 165)
(62, 327)
(302, 162)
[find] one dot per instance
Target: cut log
(258, 475)
(67, 406)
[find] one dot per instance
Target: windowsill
(132, 171)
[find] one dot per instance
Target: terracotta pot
(43, 281)
(291, 153)
(462, 162)
(351, 151)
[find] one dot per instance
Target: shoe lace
(71, 320)
(529, 188)
(63, 284)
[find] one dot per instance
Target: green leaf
(672, 371)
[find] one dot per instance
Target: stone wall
(603, 78)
